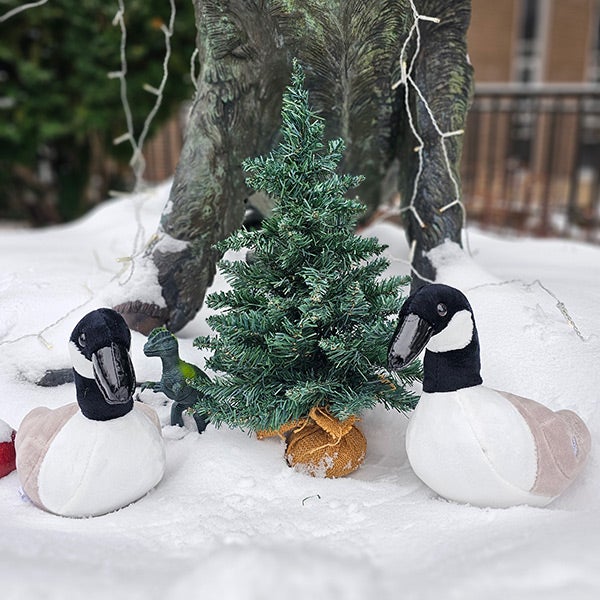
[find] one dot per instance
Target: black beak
(409, 339)
(114, 373)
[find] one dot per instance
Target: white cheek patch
(5, 432)
(80, 363)
(455, 336)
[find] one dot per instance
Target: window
(594, 57)
(528, 59)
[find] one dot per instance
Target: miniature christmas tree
(306, 324)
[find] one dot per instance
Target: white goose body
(473, 446)
(103, 452)
(84, 467)
(470, 443)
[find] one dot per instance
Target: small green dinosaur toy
(173, 383)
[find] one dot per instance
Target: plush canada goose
(470, 443)
(103, 452)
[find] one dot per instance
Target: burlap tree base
(323, 446)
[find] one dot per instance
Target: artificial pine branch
(308, 319)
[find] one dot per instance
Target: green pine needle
(308, 318)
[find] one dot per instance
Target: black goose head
(440, 318)
(104, 376)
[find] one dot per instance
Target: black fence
(531, 160)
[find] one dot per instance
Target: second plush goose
(104, 451)
(470, 443)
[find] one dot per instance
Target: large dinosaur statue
(350, 51)
(175, 373)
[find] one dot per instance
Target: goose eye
(81, 340)
(442, 309)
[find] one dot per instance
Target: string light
(406, 80)
(137, 162)
(407, 65)
(126, 263)
(560, 305)
(41, 333)
(19, 9)
(409, 262)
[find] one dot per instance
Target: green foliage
(308, 318)
(56, 100)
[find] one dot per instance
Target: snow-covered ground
(231, 520)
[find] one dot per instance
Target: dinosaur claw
(142, 316)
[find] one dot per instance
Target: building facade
(532, 149)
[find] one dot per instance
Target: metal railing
(531, 159)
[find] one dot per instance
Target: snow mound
(296, 571)
(230, 519)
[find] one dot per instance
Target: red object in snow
(7, 449)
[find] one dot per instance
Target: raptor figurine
(176, 372)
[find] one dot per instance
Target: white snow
(6, 432)
(231, 520)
